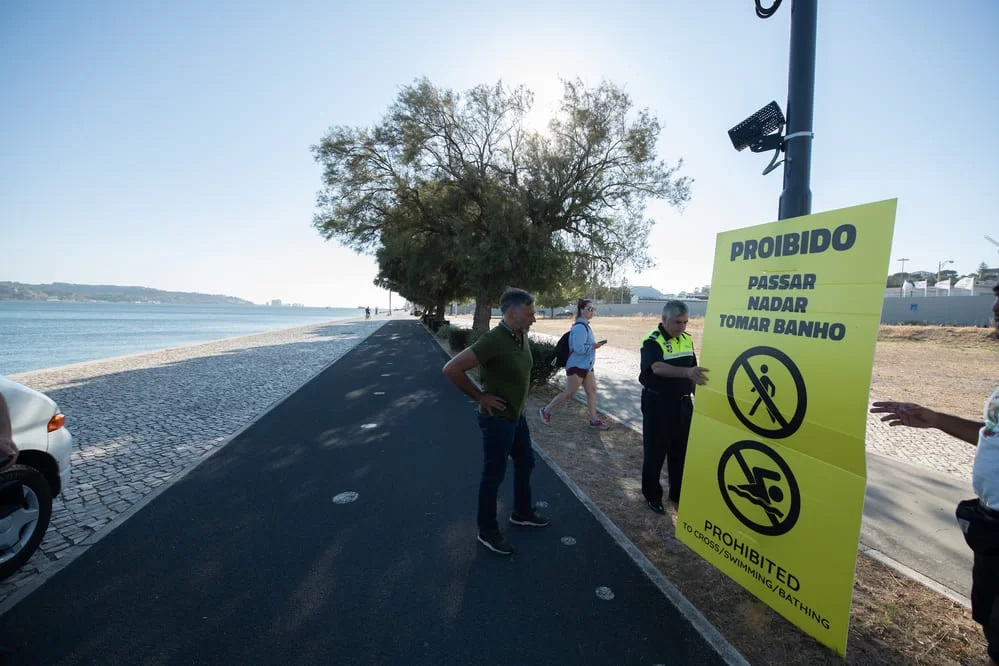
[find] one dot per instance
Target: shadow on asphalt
(263, 554)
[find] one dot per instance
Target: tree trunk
(483, 312)
(440, 309)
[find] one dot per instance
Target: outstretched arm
(916, 416)
(697, 374)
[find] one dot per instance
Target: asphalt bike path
(340, 529)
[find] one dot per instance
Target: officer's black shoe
(656, 506)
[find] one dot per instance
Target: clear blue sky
(166, 144)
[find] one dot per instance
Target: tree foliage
(589, 177)
(457, 199)
(418, 257)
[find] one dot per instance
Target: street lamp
(941, 264)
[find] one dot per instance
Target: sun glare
(540, 79)
(546, 100)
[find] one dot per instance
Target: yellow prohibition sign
(759, 488)
(768, 382)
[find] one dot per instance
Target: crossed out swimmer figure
(757, 492)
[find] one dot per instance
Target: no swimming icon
(759, 488)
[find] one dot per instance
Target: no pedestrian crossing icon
(767, 392)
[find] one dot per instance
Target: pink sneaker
(597, 424)
(546, 416)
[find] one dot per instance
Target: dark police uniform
(666, 412)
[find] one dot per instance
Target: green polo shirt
(505, 368)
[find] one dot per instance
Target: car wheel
(22, 527)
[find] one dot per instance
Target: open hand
(491, 403)
(904, 414)
(698, 375)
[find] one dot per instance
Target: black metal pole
(796, 199)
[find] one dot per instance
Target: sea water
(44, 334)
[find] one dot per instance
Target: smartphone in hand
(603, 342)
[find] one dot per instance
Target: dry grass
(893, 619)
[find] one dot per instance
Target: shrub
(459, 338)
(542, 351)
(542, 370)
(433, 323)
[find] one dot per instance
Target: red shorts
(579, 372)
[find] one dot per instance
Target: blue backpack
(561, 356)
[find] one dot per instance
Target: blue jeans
(503, 438)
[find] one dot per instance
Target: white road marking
(345, 497)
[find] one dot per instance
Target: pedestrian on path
(579, 366)
(503, 356)
(985, 482)
(669, 373)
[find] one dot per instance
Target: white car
(567, 311)
(39, 474)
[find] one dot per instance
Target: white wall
(953, 310)
(945, 310)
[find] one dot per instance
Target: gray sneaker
(494, 541)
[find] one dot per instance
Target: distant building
(276, 303)
(639, 294)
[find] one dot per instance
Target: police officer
(669, 372)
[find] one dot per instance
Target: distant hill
(63, 291)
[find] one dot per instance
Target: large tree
(589, 177)
(475, 143)
(535, 210)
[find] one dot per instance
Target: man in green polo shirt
(503, 355)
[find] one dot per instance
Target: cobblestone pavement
(141, 422)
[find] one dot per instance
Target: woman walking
(579, 367)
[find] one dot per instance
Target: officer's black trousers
(665, 427)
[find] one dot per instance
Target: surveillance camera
(757, 131)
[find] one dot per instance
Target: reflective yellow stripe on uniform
(672, 347)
